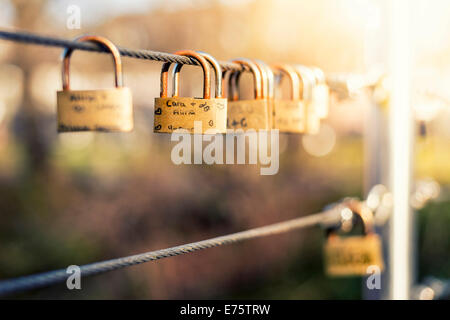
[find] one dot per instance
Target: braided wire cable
(26, 37)
(337, 82)
(40, 280)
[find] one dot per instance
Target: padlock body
(347, 256)
(290, 116)
(174, 113)
(95, 110)
(248, 114)
(321, 100)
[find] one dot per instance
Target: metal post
(388, 148)
(400, 158)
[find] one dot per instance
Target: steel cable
(26, 37)
(337, 82)
(40, 280)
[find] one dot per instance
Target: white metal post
(388, 146)
(400, 158)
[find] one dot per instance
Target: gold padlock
(290, 115)
(268, 87)
(308, 83)
(219, 102)
(247, 114)
(321, 94)
(172, 113)
(353, 255)
(94, 110)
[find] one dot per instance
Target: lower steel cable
(40, 280)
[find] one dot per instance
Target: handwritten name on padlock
(95, 110)
(181, 112)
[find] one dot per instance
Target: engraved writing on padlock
(95, 110)
(289, 115)
(247, 114)
(181, 113)
(352, 255)
(172, 113)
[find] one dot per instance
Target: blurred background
(78, 198)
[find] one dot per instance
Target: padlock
(268, 87)
(290, 114)
(219, 102)
(94, 110)
(172, 113)
(321, 94)
(308, 83)
(353, 255)
(247, 114)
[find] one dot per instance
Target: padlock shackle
(270, 82)
(164, 80)
(233, 80)
(363, 211)
(67, 53)
(235, 76)
(217, 72)
(225, 92)
(165, 77)
(308, 80)
(262, 67)
(319, 75)
(270, 85)
(293, 76)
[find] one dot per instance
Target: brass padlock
(353, 255)
(172, 113)
(290, 115)
(321, 94)
(219, 102)
(94, 110)
(308, 83)
(268, 87)
(247, 114)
